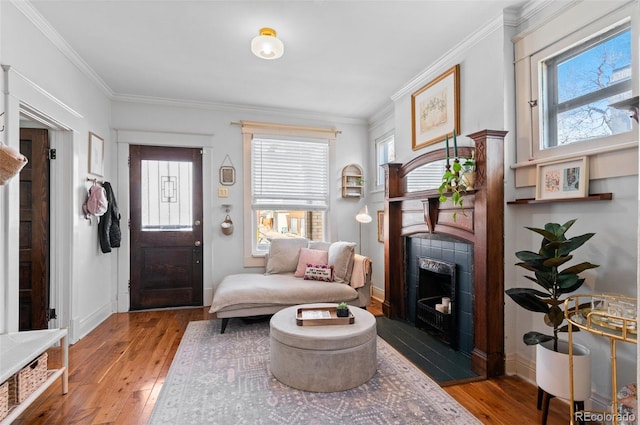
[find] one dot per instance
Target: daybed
(284, 283)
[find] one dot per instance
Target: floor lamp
(362, 217)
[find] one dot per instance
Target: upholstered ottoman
(323, 358)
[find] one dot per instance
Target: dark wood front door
(34, 230)
(166, 227)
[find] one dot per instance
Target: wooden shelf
(592, 197)
(352, 186)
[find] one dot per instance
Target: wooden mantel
(482, 224)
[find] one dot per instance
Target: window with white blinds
(289, 174)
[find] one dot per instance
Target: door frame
(204, 141)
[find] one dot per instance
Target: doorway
(166, 227)
(34, 235)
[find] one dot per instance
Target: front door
(166, 227)
(34, 230)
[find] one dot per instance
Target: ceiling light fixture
(267, 45)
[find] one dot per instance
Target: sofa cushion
(321, 245)
(341, 258)
(310, 256)
(283, 255)
(253, 290)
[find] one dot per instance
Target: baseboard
(377, 294)
(81, 327)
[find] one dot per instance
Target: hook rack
(94, 180)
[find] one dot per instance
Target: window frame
(281, 131)
(548, 88)
(380, 143)
(613, 158)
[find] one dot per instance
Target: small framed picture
(380, 226)
(96, 155)
(227, 175)
(563, 179)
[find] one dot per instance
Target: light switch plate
(223, 192)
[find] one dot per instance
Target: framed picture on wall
(227, 175)
(567, 178)
(435, 109)
(380, 226)
(96, 155)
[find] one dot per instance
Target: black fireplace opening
(447, 263)
(436, 299)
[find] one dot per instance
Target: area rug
(224, 379)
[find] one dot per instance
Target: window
(289, 189)
(385, 153)
(579, 84)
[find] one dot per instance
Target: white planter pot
(552, 370)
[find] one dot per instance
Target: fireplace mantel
(481, 224)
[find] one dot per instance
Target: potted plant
(551, 354)
(342, 310)
(456, 180)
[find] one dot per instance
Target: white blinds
(290, 174)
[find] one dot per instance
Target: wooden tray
(321, 316)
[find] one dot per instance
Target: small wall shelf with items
(613, 317)
(23, 371)
(592, 197)
(352, 181)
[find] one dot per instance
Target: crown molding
(230, 107)
(60, 43)
(448, 58)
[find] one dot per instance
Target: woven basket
(9, 164)
(4, 400)
(31, 377)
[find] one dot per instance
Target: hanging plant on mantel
(456, 179)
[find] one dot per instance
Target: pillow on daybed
(341, 258)
(283, 255)
(310, 256)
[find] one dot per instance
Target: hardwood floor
(117, 371)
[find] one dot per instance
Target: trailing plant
(555, 252)
(452, 182)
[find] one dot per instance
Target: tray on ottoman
(320, 316)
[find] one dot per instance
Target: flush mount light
(267, 45)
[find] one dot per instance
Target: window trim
(251, 128)
(569, 28)
(379, 142)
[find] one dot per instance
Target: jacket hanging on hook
(109, 226)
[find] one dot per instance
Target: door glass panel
(166, 202)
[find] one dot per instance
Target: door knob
(197, 223)
(197, 243)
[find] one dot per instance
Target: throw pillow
(310, 256)
(321, 272)
(283, 255)
(321, 245)
(341, 258)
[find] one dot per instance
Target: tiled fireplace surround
(417, 224)
(445, 248)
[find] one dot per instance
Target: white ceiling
(342, 58)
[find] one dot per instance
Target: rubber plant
(555, 251)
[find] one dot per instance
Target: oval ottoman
(323, 358)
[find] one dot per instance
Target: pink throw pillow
(310, 256)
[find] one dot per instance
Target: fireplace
(436, 299)
(411, 213)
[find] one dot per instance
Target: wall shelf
(352, 181)
(592, 197)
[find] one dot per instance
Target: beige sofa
(283, 285)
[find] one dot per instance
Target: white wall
(225, 253)
(45, 80)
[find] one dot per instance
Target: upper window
(579, 84)
(385, 153)
(289, 189)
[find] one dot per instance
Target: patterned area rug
(225, 379)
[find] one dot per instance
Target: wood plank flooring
(117, 371)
